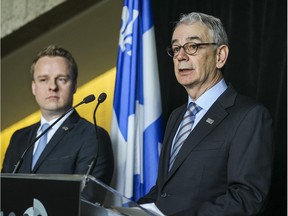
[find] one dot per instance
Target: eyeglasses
(190, 48)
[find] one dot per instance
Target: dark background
(257, 65)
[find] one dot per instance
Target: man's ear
(75, 87)
(221, 56)
(33, 87)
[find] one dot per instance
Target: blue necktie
(184, 131)
(41, 145)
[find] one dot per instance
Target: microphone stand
(87, 99)
(101, 99)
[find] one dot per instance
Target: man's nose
(182, 55)
(53, 85)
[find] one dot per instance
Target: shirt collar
(206, 100)
(43, 120)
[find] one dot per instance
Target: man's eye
(192, 46)
(62, 79)
(175, 49)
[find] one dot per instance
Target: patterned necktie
(184, 131)
(41, 145)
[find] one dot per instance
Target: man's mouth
(183, 70)
(52, 98)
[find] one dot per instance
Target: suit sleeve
(19, 141)
(99, 148)
(249, 169)
(9, 159)
(104, 166)
(103, 169)
(150, 197)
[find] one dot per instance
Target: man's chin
(187, 83)
(55, 110)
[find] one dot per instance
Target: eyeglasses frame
(183, 46)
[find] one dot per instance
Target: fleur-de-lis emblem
(127, 29)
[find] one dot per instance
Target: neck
(51, 115)
(197, 90)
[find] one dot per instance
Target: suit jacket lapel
(67, 125)
(171, 129)
(210, 120)
(27, 160)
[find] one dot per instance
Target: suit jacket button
(163, 195)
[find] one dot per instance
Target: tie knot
(194, 108)
(44, 126)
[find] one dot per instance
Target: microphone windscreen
(89, 98)
(102, 97)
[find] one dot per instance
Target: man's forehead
(195, 31)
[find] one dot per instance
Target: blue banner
(136, 130)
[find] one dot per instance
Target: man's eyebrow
(41, 76)
(193, 38)
(174, 41)
(63, 75)
(187, 39)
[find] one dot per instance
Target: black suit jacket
(223, 168)
(70, 150)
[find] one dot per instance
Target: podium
(47, 194)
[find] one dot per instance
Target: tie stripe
(184, 131)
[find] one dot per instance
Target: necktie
(184, 131)
(41, 145)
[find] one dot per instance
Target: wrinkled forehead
(196, 32)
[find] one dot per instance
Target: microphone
(102, 97)
(86, 100)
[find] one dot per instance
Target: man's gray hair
(218, 33)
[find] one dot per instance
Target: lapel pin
(65, 128)
(209, 120)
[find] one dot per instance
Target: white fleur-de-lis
(126, 29)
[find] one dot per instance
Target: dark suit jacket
(70, 150)
(224, 166)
